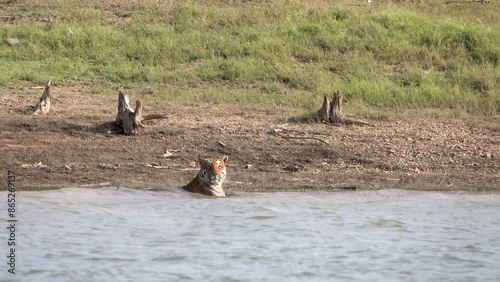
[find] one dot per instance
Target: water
(133, 235)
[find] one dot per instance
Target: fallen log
(43, 105)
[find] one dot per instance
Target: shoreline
(65, 148)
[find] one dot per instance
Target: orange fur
(209, 179)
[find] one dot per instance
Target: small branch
(154, 116)
(277, 132)
(468, 1)
(355, 121)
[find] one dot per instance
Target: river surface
(135, 235)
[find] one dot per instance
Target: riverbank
(70, 147)
(384, 56)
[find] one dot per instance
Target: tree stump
(336, 108)
(43, 105)
(322, 114)
(127, 118)
(331, 111)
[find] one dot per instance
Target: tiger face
(212, 171)
(209, 179)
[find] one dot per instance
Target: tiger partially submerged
(210, 177)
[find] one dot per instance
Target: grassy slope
(383, 56)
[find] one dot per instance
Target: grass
(385, 56)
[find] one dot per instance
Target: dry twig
(277, 131)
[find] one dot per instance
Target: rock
(12, 41)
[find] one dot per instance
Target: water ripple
(127, 235)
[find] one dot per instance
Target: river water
(135, 235)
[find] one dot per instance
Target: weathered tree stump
(43, 105)
(323, 114)
(331, 111)
(336, 108)
(127, 118)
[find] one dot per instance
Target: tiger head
(212, 171)
(210, 177)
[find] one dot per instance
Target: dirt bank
(71, 147)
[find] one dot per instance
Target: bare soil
(269, 149)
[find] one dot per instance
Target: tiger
(210, 177)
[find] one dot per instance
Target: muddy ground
(72, 147)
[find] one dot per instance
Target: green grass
(384, 57)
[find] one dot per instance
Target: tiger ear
(225, 158)
(199, 159)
